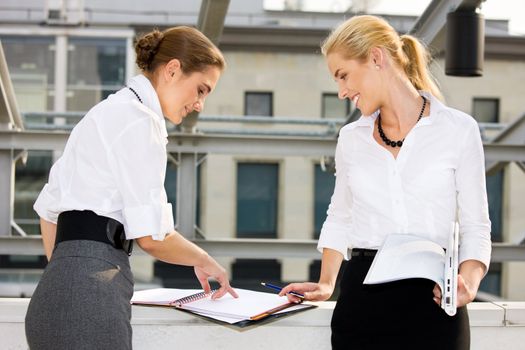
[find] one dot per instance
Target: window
(485, 110)
(258, 103)
(30, 179)
(333, 107)
(257, 200)
(256, 218)
(96, 68)
(170, 184)
(324, 182)
(248, 273)
(492, 281)
(31, 62)
(495, 199)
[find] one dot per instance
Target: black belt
(363, 253)
(87, 225)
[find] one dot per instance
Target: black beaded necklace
(389, 142)
(132, 90)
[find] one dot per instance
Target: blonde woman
(410, 164)
(107, 190)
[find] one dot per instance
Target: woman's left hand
(466, 293)
(470, 274)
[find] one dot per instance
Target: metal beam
(33, 140)
(187, 194)
(503, 252)
(500, 153)
(211, 18)
(7, 191)
(513, 134)
(9, 114)
(211, 23)
(430, 26)
(189, 143)
(233, 144)
(247, 248)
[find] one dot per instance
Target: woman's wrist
(472, 272)
(326, 284)
(204, 260)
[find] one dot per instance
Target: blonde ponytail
(415, 64)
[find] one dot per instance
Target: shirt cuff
(148, 220)
(479, 250)
(43, 204)
(334, 238)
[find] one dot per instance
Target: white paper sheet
(227, 309)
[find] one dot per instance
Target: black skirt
(395, 315)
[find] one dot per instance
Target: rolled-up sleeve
(138, 160)
(335, 230)
(48, 199)
(473, 213)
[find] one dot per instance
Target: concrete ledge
(498, 325)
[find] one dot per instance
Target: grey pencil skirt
(82, 300)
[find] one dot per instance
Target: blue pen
(279, 289)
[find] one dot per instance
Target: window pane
(324, 187)
(491, 283)
(29, 181)
(31, 62)
(486, 110)
(333, 107)
(248, 273)
(257, 200)
(170, 184)
(198, 194)
(258, 103)
(495, 199)
(96, 69)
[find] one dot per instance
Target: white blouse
(114, 164)
(437, 178)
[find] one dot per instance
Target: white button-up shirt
(114, 164)
(437, 178)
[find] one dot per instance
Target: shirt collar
(435, 107)
(150, 99)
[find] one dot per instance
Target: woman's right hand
(211, 268)
(311, 291)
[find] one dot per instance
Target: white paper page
(249, 303)
(405, 256)
(161, 296)
(222, 311)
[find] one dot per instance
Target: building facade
(67, 61)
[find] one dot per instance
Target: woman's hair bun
(146, 47)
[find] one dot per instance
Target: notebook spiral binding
(193, 297)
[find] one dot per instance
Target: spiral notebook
(251, 306)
